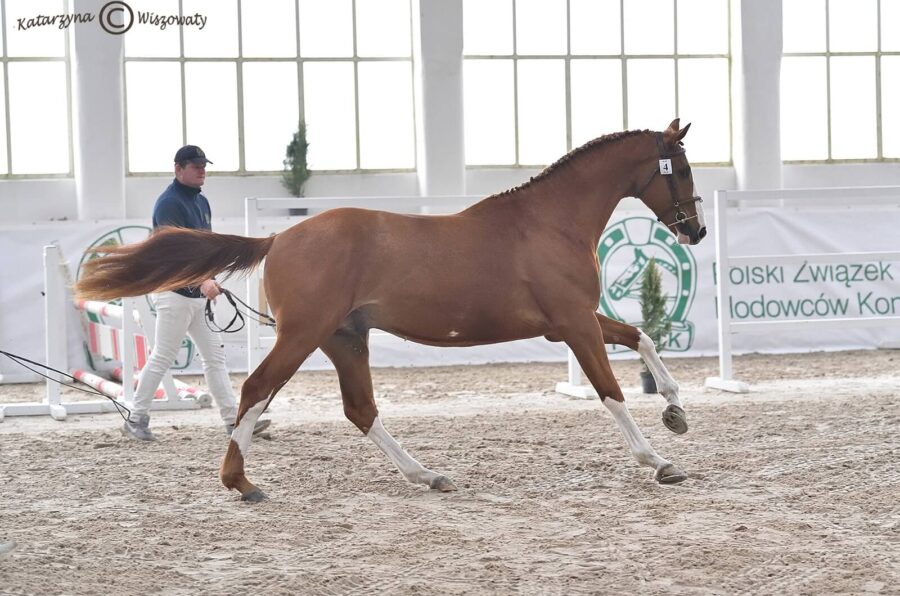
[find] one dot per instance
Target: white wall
(30, 201)
(847, 174)
(227, 193)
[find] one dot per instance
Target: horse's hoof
(670, 474)
(675, 420)
(256, 496)
(443, 484)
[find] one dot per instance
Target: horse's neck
(581, 195)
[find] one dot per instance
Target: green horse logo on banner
(624, 251)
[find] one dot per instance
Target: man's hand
(210, 289)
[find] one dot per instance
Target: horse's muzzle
(687, 235)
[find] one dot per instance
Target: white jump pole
(251, 215)
(725, 380)
(873, 195)
(574, 387)
(55, 303)
(129, 330)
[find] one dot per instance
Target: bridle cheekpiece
(665, 169)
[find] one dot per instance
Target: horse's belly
(450, 327)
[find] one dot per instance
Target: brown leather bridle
(677, 204)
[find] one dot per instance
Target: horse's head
(669, 190)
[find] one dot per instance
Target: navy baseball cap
(191, 153)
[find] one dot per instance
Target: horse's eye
(685, 173)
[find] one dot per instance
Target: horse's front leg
(616, 332)
(585, 337)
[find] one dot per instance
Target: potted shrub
(296, 172)
(656, 323)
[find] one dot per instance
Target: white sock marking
(640, 447)
(243, 432)
(664, 381)
(407, 464)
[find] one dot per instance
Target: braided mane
(567, 158)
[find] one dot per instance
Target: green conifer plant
(296, 173)
(655, 321)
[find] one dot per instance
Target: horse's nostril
(702, 232)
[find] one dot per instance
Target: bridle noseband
(665, 162)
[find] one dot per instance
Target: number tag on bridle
(665, 167)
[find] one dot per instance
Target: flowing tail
(168, 259)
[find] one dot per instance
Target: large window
(239, 86)
(840, 80)
(545, 76)
(35, 131)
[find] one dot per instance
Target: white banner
(766, 291)
(844, 288)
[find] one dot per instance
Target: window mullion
(6, 90)
(879, 148)
(301, 106)
(183, 82)
(515, 59)
(356, 89)
(568, 75)
(730, 62)
(624, 63)
(828, 74)
(69, 114)
(675, 55)
(239, 80)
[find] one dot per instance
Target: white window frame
(568, 58)
(5, 61)
(828, 54)
(240, 60)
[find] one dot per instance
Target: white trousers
(177, 315)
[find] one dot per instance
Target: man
(182, 311)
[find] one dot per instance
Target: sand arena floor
(793, 489)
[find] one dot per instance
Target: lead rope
(261, 318)
(123, 411)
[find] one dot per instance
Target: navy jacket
(184, 207)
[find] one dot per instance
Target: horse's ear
(674, 133)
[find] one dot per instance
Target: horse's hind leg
(349, 352)
(272, 374)
(616, 332)
(585, 337)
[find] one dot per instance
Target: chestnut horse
(518, 264)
